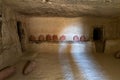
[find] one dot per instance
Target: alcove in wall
(98, 33)
(98, 37)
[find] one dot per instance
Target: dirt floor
(76, 61)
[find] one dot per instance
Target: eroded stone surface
(71, 8)
(10, 47)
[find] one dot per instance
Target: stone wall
(60, 25)
(118, 27)
(11, 47)
(73, 26)
(113, 45)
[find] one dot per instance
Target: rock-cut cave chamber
(59, 39)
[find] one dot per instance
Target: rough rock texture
(24, 37)
(0, 7)
(10, 41)
(11, 48)
(71, 8)
(0, 36)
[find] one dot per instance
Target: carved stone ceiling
(66, 8)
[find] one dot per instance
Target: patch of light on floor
(81, 55)
(64, 61)
(86, 64)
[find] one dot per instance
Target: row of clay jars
(42, 38)
(55, 38)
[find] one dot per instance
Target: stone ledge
(112, 46)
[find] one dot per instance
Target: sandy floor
(70, 62)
